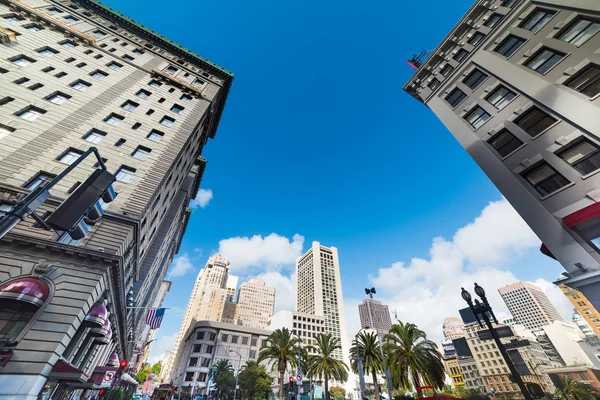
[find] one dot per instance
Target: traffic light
(101, 392)
(84, 202)
(291, 380)
(123, 365)
(130, 301)
(130, 336)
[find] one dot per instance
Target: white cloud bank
(203, 197)
(181, 266)
(160, 346)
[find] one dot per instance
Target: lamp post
(361, 372)
(484, 310)
(237, 374)
(388, 379)
(299, 366)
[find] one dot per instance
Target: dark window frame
(542, 116)
(505, 148)
(538, 186)
(455, 97)
(510, 51)
(546, 65)
(593, 81)
(580, 164)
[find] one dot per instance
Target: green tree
(366, 346)
(324, 365)
(223, 377)
(338, 392)
(254, 381)
(573, 390)
(279, 350)
(412, 358)
(156, 368)
(143, 374)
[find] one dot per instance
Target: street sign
(107, 381)
(301, 390)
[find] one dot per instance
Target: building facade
(208, 342)
(560, 341)
(515, 82)
(583, 307)
(471, 375)
(75, 75)
(305, 326)
(454, 371)
(453, 328)
(255, 304)
(376, 315)
(529, 305)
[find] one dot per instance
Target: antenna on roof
(418, 59)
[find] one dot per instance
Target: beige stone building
(255, 304)
(529, 305)
(75, 75)
(376, 315)
(453, 328)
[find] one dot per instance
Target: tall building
(207, 300)
(583, 307)
(560, 342)
(529, 305)
(319, 292)
(582, 324)
(516, 85)
(375, 315)
(305, 326)
(453, 328)
(75, 75)
(255, 304)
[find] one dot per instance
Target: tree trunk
(326, 387)
(281, 385)
(374, 375)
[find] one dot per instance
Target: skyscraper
(75, 75)
(453, 328)
(529, 305)
(319, 292)
(255, 304)
(516, 85)
(583, 307)
(375, 315)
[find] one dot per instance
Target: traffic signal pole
(26, 206)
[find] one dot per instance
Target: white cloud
(181, 266)
(203, 197)
(160, 346)
(271, 252)
(285, 289)
(425, 291)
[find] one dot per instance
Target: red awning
(62, 370)
(585, 214)
(546, 251)
(29, 290)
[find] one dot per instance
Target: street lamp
(484, 310)
(388, 379)
(237, 374)
(299, 366)
(361, 372)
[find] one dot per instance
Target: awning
(583, 215)
(104, 339)
(62, 370)
(546, 251)
(102, 331)
(29, 290)
(96, 316)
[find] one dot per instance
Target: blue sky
(318, 139)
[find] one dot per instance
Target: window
(510, 45)
(500, 97)
(455, 97)
(234, 339)
(128, 58)
(60, 74)
(177, 109)
(53, 10)
(48, 69)
(114, 119)
(70, 60)
(537, 20)
(196, 348)
(94, 136)
(171, 70)
(114, 65)
(493, 20)
(198, 83)
(477, 117)
(461, 55)
(245, 340)
(447, 70)
(161, 100)
(544, 179)
(33, 27)
(253, 342)
(476, 38)
(70, 156)
(185, 98)
(209, 349)
(70, 19)
(97, 74)
(98, 33)
(586, 81)
(167, 121)
(129, 105)
(47, 51)
(98, 56)
(125, 174)
(30, 113)
(22, 61)
(67, 44)
(171, 90)
(474, 79)
(150, 112)
(141, 153)
(205, 362)
(505, 142)
(193, 362)
(580, 32)
(189, 376)
(12, 18)
(143, 94)
(136, 126)
(252, 354)
(81, 65)
(38, 180)
(154, 84)
(80, 85)
(434, 84)
(21, 81)
(199, 335)
(35, 86)
(545, 59)
(584, 156)
(534, 121)
(137, 51)
(58, 98)
(3, 101)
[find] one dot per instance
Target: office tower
(453, 328)
(75, 75)
(255, 304)
(375, 315)
(306, 326)
(516, 82)
(583, 307)
(529, 305)
(319, 292)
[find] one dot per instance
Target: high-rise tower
(255, 304)
(453, 328)
(375, 315)
(529, 305)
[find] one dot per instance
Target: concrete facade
(561, 339)
(374, 314)
(529, 305)
(255, 304)
(453, 328)
(306, 326)
(471, 375)
(513, 81)
(583, 307)
(75, 75)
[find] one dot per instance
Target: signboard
(107, 381)
(518, 362)
(503, 332)
(461, 347)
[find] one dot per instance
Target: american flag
(154, 317)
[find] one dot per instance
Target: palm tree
(324, 365)
(279, 350)
(366, 346)
(412, 357)
(223, 376)
(574, 390)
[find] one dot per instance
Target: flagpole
(148, 308)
